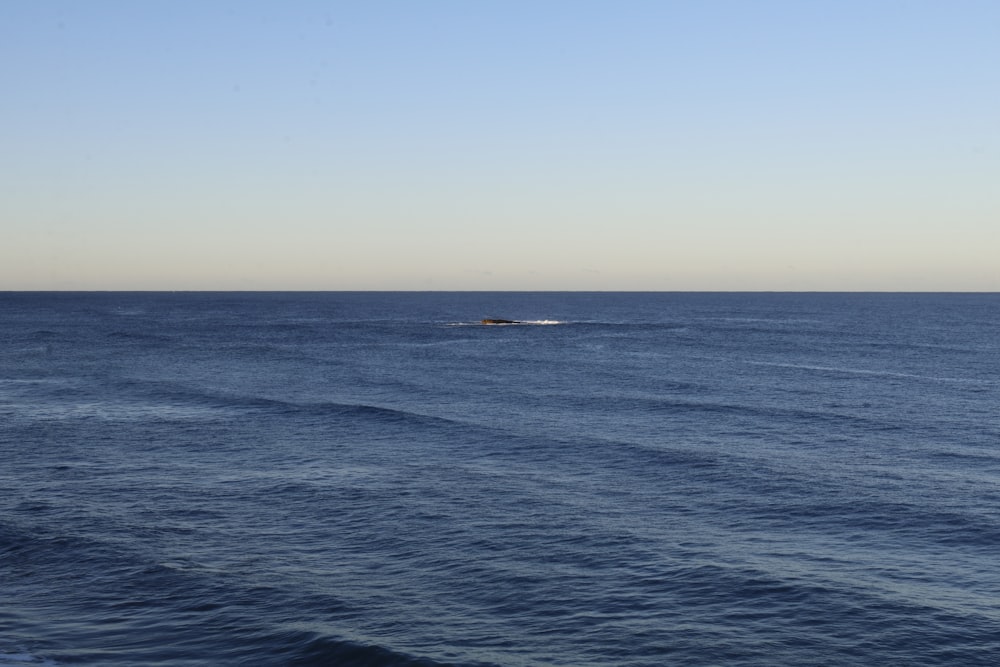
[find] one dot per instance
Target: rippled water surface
(619, 479)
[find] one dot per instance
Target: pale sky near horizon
(509, 145)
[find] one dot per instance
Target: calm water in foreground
(377, 479)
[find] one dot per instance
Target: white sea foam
(507, 324)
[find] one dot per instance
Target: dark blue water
(377, 479)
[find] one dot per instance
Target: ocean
(619, 479)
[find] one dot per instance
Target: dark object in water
(493, 321)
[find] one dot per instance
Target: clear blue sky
(661, 145)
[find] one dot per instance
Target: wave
(35, 381)
(877, 373)
(655, 404)
(335, 409)
(321, 650)
(140, 336)
(105, 409)
(21, 658)
(122, 587)
(136, 401)
(179, 396)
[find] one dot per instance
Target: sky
(500, 145)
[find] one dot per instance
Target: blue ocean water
(378, 479)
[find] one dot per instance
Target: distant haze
(660, 145)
